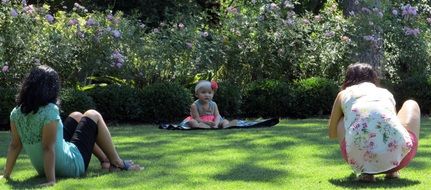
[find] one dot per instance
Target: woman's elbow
(15, 146)
(48, 148)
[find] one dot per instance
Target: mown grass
(295, 154)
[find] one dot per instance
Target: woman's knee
(411, 105)
(93, 114)
(76, 116)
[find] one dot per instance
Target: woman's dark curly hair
(358, 73)
(39, 88)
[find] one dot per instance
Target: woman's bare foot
(393, 175)
(105, 164)
(366, 178)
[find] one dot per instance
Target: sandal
(366, 178)
(128, 165)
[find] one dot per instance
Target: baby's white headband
(202, 84)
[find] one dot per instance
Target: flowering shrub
(274, 42)
(252, 41)
(398, 32)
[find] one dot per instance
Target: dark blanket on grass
(235, 124)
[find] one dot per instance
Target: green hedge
(417, 88)
(165, 102)
(75, 100)
(116, 102)
(267, 98)
(228, 98)
(170, 102)
(7, 103)
(313, 96)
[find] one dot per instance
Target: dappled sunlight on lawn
(294, 154)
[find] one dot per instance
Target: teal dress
(68, 159)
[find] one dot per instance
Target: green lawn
(295, 154)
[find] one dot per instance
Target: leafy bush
(416, 87)
(118, 103)
(313, 96)
(228, 99)
(165, 102)
(267, 98)
(75, 100)
(7, 103)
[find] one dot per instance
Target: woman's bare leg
(410, 116)
(96, 150)
(104, 139)
(340, 130)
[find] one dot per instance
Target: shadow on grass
(351, 182)
(249, 172)
(29, 183)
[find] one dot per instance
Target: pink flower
(345, 39)
(72, 22)
(118, 59)
(395, 12)
(29, 9)
(411, 32)
(116, 33)
(5, 69)
(409, 10)
(181, 26)
(288, 4)
(189, 45)
(273, 6)
(214, 85)
(204, 34)
(13, 13)
(232, 10)
(110, 17)
(90, 22)
(49, 18)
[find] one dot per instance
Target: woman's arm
(336, 115)
(15, 148)
(49, 134)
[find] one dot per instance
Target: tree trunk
(371, 53)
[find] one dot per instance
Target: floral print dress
(376, 141)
